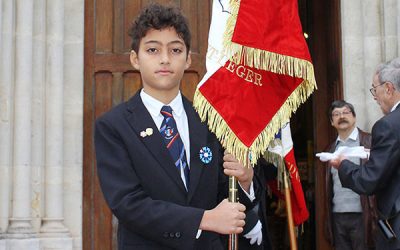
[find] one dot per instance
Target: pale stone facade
(41, 124)
(41, 109)
(370, 35)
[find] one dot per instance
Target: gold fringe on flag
(264, 60)
(228, 138)
(220, 128)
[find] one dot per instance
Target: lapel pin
(147, 132)
(205, 155)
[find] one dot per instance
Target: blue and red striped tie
(172, 139)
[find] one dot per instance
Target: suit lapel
(198, 139)
(140, 119)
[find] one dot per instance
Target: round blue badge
(205, 155)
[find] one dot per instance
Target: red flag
(258, 72)
(272, 26)
(281, 153)
(299, 208)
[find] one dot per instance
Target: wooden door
(110, 80)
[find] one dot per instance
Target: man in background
(350, 218)
(380, 175)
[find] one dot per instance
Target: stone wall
(41, 117)
(370, 35)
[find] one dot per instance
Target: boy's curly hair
(157, 16)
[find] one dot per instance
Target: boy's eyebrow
(169, 43)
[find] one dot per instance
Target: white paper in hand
(325, 156)
(358, 152)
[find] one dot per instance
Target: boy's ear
(188, 60)
(134, 59)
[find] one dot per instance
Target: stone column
(53, 220)
(1, 21)
(38, 112)
(354, 88)
(20, 223)
(368, 38)
(6, 80)
(373, 21)
(73, 117)
(390, 25)
(398, 26)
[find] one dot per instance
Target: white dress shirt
(154, 107)
(394, 106)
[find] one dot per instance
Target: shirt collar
(353, 136)
(395, 106)
(154, 106)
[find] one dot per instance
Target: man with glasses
(380, 175)
(349, 217)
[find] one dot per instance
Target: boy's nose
(164, 57)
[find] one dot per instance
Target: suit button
(172, 235)
(177, 234)
(165, 235)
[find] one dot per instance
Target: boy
(159, 167)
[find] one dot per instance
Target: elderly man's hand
(337, 161)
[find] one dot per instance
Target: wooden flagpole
(233, 241)
(233, 197)
(292, 236)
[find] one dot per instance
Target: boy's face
(162, 59)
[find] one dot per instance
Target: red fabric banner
(299, 208)
(271, 25)
(247, 98)
(259, 72)
(281, 153)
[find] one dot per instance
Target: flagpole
(233, 198)
(292, 237)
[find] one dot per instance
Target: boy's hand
(233, 167)
(226, 218)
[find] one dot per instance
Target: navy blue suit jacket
(380, 175)
(143, 187)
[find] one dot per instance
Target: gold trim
(264, 60)
(231, 142)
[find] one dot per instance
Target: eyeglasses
(373, 89)
(338, 114)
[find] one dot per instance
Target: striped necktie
(172, 139)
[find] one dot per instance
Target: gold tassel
(265, 60)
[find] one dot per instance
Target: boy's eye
(177, 51)
(151, 50)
